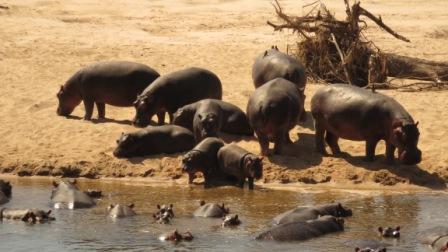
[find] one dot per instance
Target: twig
(341, 55)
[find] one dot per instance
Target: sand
(42, 43)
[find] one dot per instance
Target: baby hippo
(211, 210)
(202, 158)
(175, 236)
(27, 215)
(230, 221)
(238, 162)
(164, 214)
(121, 211)
(389, 232)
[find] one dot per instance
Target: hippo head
(370, 250)
(405, 138)
(230, 220)
(67, 101)
(112, 206)
(145, 109)
(341, 211)
(210, 125)
(389, 232)
(37, 216)
(6, 188)
(176, 236)
(253, 166)
(126, 145)
(192, 161)
(164, 213)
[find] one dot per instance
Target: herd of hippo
(298, 224)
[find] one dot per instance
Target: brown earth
(42, 43)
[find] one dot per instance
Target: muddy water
(91, 229)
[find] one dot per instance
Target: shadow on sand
(99, 121)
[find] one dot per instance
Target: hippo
(234, 120)
(389, 232)
(230, 221)
(211, 210)
(273, 110)
(240, 163)
(115, 83)
(92, 193)
(436, 238)
(3, 198)
(175, 236)
(27, 215)
(6, 188)
(305, 213)
(354, 113)
(303, 230)
(202, 158)
(164, 214)
(154, 140)
(367, 245)
(170, 92)
(65, 194)
(120, 210)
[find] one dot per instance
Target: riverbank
(42, 43)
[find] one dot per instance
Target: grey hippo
(154, 140)
(115, 83)
(211, 210)
(357, 114)
(436, 238)
(304, 213)
(65, 194)
(273, 110)
(170, 92)
(27, 215)
(121, 210)
(232, 119)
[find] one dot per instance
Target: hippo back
(209, 210)
(66, 195)
(120, 211)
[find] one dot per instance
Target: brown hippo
(389, 232)
(305, 213)
(27, 215)
(273, 110)
(238, 162)
(211, 210)
(230, 221)
(5, 187)
(164, 214)
(175, 236)
(120, 210)
(303, 230)
(172, 91)
(65, 194)
(202, 158)
(436, 238)
(234, 120)
(354, 113)
(207, 121)
(115, 83)
(154, 140)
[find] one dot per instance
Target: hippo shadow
(298, 155)
(413, 173)
(106, 120)
(308, 123)
(228, 138)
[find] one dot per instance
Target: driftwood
(338, 51)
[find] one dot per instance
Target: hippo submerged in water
(232, 119)
(310, 213)
(230, 221)
(349, 112)
(211, 210)
(273, 110)
(172, 91)
(115, 83)
(436, 238)
(303, 230)
(65, 194)
(176, 236)
(120, 210)
(27, 215)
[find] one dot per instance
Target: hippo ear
(202, 203)
(380, 229)
(357, 249)
(171, 205)
(200, 116)
(236, 216)
(398, 228)
(158, 206)
(62, 88)
(416, 124)
(55, 184)
(276, 48)
(49, 212)
(265, 53)
(131, 205)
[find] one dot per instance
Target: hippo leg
(101, 107)
(263, 140)
(278, 142)
(161, 117)
(332, 141)
(370, 149)
(390, 152)
(319, 137)
(88, 105)
(250, 181)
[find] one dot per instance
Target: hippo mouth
(410, 157)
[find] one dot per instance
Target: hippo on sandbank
(211, 210)
(65, 194)
(304, 213)
(115, 83)
(121, 210)
(170, 92)
(354, 113)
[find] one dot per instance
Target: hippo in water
(211, 210)
(389, 232)
(273, 110)
(164, 214)
(154, 140)
(92, 193)
(172, 91)
(27, 215)
(436, 238)
(230, 221)
(202, 158)
(6, 188)
(305, 213)
(120, 210)
(3, 198)
(175, 236)
(65, 194)
(241, 164)
(115, 83)
(303, 230)
(234, 120)
(367, 245)
(354, 113)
